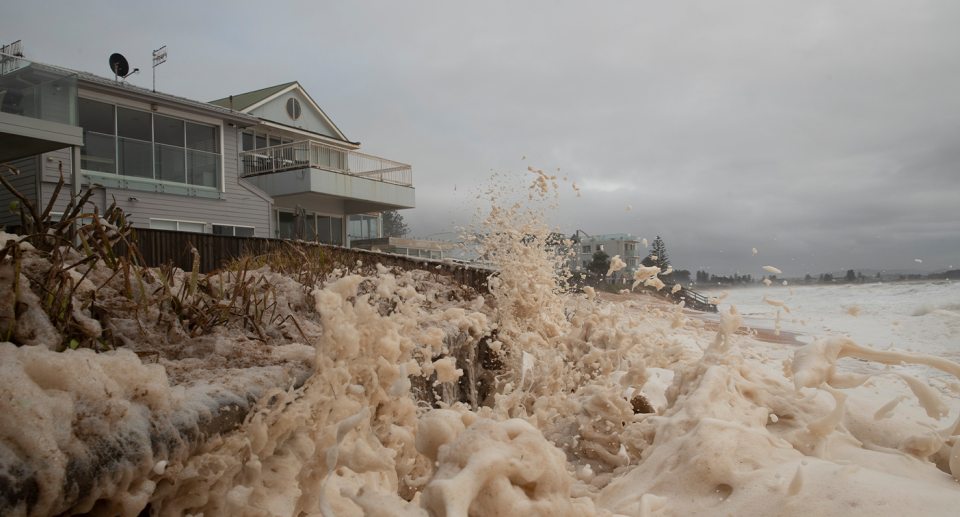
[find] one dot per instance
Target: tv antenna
(120, 67)
(159, 58)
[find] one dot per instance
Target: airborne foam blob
(772, 269)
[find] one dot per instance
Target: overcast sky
(826, 134)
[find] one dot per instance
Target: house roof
(244, 100)
(89, 78)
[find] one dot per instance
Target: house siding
(310, 120)
(25, 183)
(241, 206)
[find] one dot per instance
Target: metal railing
(37, 91)
(307, 153)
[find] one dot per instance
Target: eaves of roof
(243, 119)
(244, 100)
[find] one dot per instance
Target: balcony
(309, 154)
(631, 253)
(38, 108)
(309, 172)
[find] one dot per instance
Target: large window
(99, 152)
(250, 140)
(237, 231)
(144, 145)
(362, 227)
(179, 226)
(319, 228)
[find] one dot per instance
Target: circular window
(293, 108)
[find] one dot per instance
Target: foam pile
(605, 409)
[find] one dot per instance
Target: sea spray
(557, 435)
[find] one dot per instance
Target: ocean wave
(928, 308)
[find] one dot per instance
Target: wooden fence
(161, 246)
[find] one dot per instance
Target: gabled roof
(245, 100)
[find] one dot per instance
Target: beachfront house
(168, 162)
(623, 244)
(230, 168)
(299, 157)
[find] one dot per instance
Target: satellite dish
(119, 65)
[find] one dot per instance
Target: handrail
(694, 299)
(312, 154)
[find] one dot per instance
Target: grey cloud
(823, 133)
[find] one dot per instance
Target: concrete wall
(310, 120)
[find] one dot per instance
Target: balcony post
(75, 170)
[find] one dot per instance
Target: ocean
(912, 316)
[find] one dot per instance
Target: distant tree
(393, 225)
(878, 276)
(828, 278)
(648, 262)
(851, 276)
(773, 278)
(808, 279)
(659, 249)
(600, 263)
(681, 276)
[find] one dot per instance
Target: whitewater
(917, 316)
(597, 405)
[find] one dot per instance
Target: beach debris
(854, 311)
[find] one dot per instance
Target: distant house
(622, 244)
(178, 164)
(298, 156)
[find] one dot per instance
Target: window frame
(337, 238)
(177, 221)
(216, 124)
(296, 104)
(233, 229)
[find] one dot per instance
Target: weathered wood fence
(161, 246)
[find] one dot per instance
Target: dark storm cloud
(825, 134)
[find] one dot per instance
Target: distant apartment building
(623, 244)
